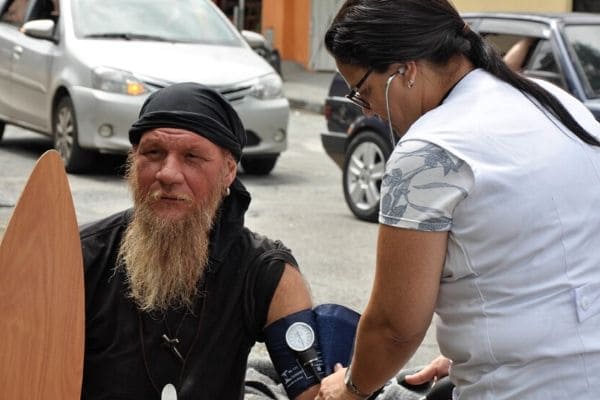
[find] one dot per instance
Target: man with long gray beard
(177, 289)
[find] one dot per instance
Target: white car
(79, 71)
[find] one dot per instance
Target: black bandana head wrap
(195, 108)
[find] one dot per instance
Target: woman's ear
(410, 75)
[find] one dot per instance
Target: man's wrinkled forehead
(166, 136)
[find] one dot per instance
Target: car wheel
(65, 136)
(259, 165)
(362, 174)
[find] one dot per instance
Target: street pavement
(304, 163)
(305, 90)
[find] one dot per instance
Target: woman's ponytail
(375, 34)
(484, 56)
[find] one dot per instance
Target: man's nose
(170, 171)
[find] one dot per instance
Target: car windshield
(189, 21)
(585, 42)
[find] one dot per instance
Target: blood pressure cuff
(334, 328)
(295, 376)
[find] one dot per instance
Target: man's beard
(165, 259)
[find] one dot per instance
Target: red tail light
(327, 111)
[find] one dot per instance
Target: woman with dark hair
(489, 212)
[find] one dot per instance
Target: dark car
(561, 48)
(358, 144)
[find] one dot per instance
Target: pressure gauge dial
(300, 336)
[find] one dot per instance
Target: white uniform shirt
(519, 301)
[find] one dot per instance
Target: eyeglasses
(354, 95)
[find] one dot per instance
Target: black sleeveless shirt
(125, 357)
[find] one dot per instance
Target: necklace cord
(185, 358)
(177, 328)
(147, 367)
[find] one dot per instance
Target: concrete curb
(5, 202)
(305, 90)
(306, 105)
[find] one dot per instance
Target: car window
(543, 58)
(515, 49)
(514, 27)
(43, 9)
(502, 42)
(519, 53)
(194, 21)
(543, 64)
(533, 56)
(15, 12)
(585, 43)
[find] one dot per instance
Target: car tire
(2, 126)
(363, 170)
(65, 137)
(259, 165)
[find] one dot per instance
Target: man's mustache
(161, 195)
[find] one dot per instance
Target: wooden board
(41, 291)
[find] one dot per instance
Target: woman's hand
(438, 368)
(334, 388)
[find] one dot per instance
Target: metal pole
(236, 17)
(241, 14)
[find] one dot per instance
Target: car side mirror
(255, 40)
(39, 28)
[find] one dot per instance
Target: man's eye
(196, 157)
(150, 152)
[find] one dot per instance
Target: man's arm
(292, 295)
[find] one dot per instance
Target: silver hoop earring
(227, 192)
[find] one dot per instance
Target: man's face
(179, 169)
(178, 180)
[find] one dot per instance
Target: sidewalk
(305, 89)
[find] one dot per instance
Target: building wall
(273, 22)
(322, 13)
(514, 5)
(287, 23)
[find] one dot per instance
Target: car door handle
(17, 51)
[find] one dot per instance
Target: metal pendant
(168, 392)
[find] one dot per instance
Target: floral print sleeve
(422, 185)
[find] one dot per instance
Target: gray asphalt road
(301, 203)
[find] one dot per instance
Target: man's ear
(230, 170)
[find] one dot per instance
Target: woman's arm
(400, 309)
